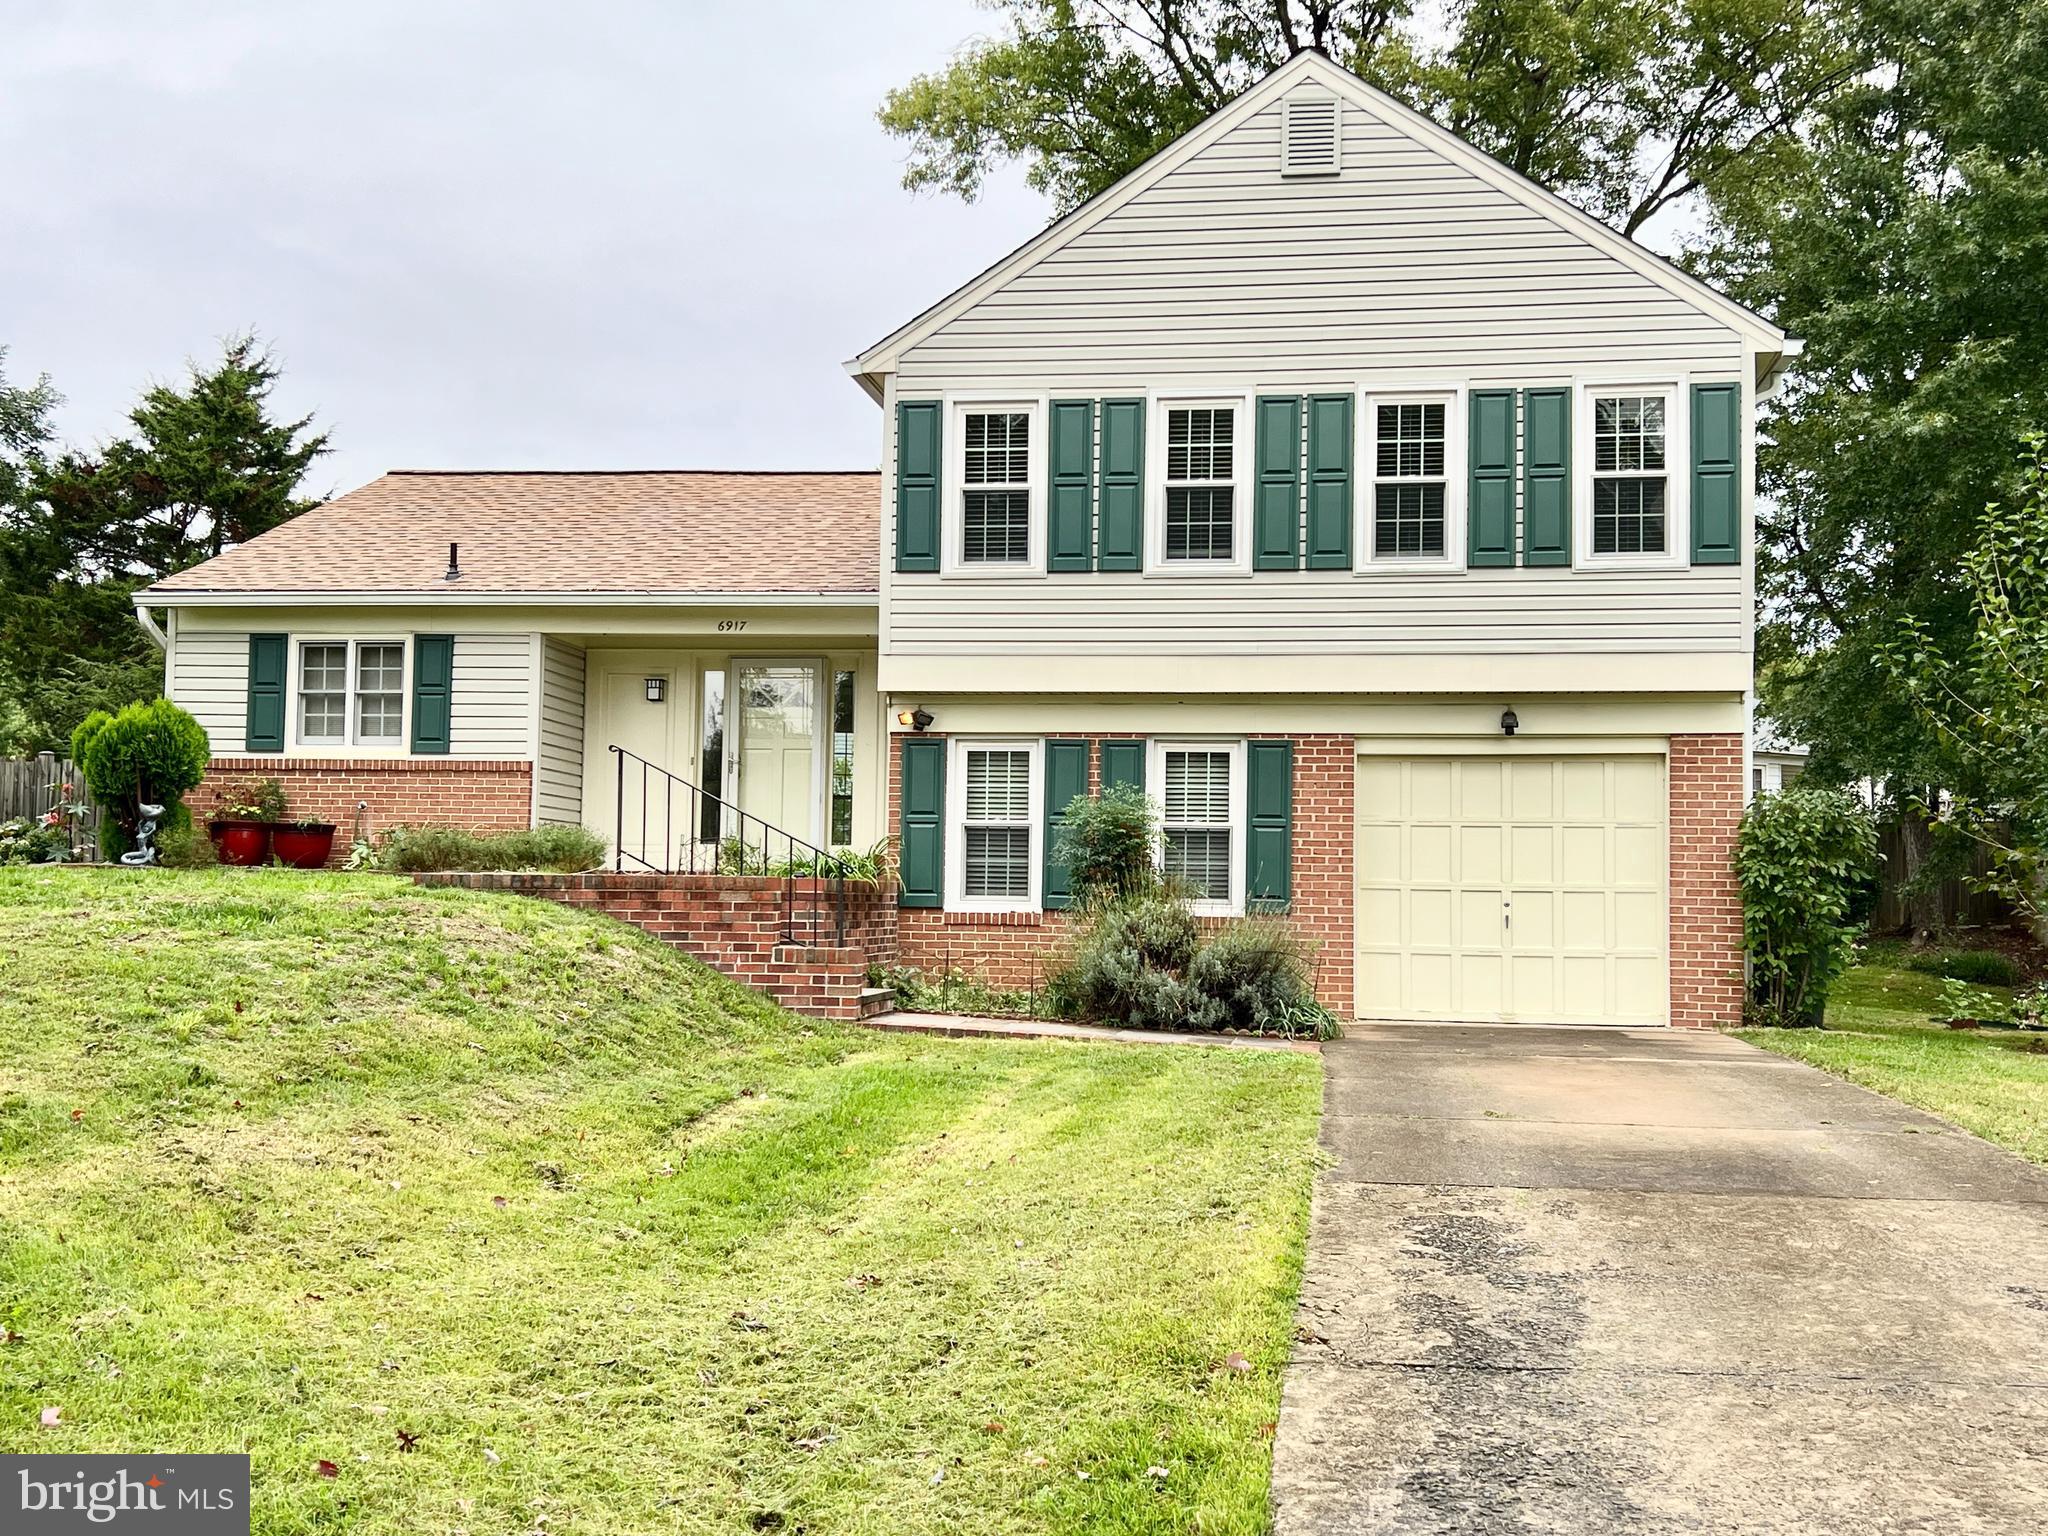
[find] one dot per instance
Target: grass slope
(1880, 1034)
(305, 1164)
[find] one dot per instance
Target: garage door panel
(1511, 888)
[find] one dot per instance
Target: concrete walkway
(1650, 1281)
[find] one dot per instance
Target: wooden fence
(30, 786)
(1953, 903)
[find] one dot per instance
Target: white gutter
(151, 628)
(434, 598)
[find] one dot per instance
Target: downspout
(151, 628)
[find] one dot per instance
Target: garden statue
(142, 853)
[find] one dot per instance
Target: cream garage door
(1511, 889)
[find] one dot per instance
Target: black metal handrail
(718, 838)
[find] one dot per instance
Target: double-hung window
(1201, 503)
(351, 693)
(998, 455)
(1201, 794)
(1411, 480)
(1631, 484)
(995, 804)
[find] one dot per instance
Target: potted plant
(243, 821)
(303, 844)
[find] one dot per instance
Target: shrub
(33, 840)
(148, 754)
(186, 847)
(1107, 844)
(949, 992)
(1800, 856)
(252, 800)
(1255, 975)
(566, 850)
(1985, 966)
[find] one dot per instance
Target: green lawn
(1880, 1034)
(312, 1165)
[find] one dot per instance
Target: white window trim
(953, 532)
(295, 645)
(956, 825)
(1677, 475)
(1457, 432)
(1155, 781)
(1242, 452)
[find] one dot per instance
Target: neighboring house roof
(881, 358)
(545, 532)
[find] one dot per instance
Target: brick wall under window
(476, 794)
(1018, 949)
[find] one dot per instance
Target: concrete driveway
(1647, 1281)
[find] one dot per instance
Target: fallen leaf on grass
(77, 1115)
(747, 1323)
(326, 1468)
(408, 1440)
(865, 1282)
(993, 1427)
(500, 1201)
(52, 1417)
(491, 1457)
(1158, 1472)
(1235, 1361)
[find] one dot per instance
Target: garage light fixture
(916, 719)
(1508, 723)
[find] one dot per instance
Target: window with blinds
(1410, 482)
(1629, 476)
(996, 825)
(996, 488)
(1198, 832)
(1201, 469)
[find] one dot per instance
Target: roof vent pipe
(454, 566)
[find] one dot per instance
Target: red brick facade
(1706, 904)
(1017, 949)
(479, 795)
(739, 926)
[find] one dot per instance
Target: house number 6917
(731, 626)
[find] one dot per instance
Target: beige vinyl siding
(1407, 263)
(1408, 269)
(558, 770)
(210, 678)
(490, 709)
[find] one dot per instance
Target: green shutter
(1276, 492)
(265, 729)
(921, 858)
(1490, 526)
(1070, 531)
(917, 485)
(1329, 482)
(1269, 832)
(1066, 777)
(1547, 477)
(1716, 485)
(1120, 539)
(1123, 762)
(433, 682)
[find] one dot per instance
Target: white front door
(778, 715)
(646, 825)
(1511, 889)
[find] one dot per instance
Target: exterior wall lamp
(657, 689)
(1508, 723)
(917, 719)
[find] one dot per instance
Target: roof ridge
(735, 473)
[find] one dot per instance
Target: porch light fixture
(1508, 722)
(657, 689)
(916, 719)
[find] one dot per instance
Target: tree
(1903, 236)
(204, 467)
(1987, 704)
(1625, 106)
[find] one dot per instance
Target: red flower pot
(305, 846)
(240, 842)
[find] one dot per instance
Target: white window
(995, 509)
(1201, 840)
(351, 693)
(1631, 509)
(1201, 462)
(993, 789)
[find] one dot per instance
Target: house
(1383, 516)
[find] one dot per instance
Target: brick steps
(739, 926)
(876, 1002)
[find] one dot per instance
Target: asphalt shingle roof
(542, 531)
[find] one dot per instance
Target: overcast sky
(482, 233)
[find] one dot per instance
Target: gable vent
(1309, 136)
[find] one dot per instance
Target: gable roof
(882, 357)
(568, 534)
